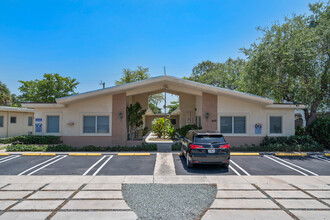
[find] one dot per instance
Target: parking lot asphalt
(105, 165)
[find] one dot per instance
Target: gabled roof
(166, 80)
(15, 109)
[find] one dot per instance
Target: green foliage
(129, 76)
(154, 108)
(145, 131)
(66, 148)
(184, 130)
(158, 126)
(290, 62)
(176, 146)
(320, 130)
(134, 117)
(300, 131)
(225, 75)
(171, 132)
(32, 139)
(4, 94)
(48, 89)
(174, 105)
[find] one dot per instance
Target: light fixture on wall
(120, 115)
(207, 115)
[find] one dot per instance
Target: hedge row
(283, 144)
(57, 148)
(32, 139)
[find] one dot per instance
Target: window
(173, 121)
(275, 124)
(53, 124)
(1, 121)
(96, 124)
(209, 139)
(30, 119)
(230, 124)
(12, 120)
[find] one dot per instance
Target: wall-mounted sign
(38, 125)
(258, 128)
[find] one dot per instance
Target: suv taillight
(194, 146)
(226, 146)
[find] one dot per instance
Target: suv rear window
(209, 139)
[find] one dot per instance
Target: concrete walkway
(164, 165)
(90, 197)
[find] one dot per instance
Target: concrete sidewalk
(88, 197)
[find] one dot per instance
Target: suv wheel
(189, 163)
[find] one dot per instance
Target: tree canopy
(129, 76)
(289, 63)
(5, 97)
(48, 89)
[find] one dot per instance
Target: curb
(291, 154)
(133, 154)
(84, 154)
(244, 154)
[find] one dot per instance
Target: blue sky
(94, 40)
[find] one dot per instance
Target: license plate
(211, 151)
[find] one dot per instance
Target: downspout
(7, 129)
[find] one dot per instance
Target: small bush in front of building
(184, 130)
(32, 139)
(176, 146)
(320, 130)
(143, 147)
(61, 147)
(23, 147)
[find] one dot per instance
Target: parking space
(145, 165)
(77, 165)
(130, 165)
(258, 165)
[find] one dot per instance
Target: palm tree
(134, 117)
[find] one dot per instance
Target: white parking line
(9, 159)
(47, 165)
(4, 158)
(37, 165)
(93, 165)
(244, 171)
(321, 158)
(296, 166)
(98, 170)
(235, 171)
(286, 165)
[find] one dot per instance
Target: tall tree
(129, 76)
(134, 117)
(290, 62)
(154, 101)
(173, 106)
(48, 89)
(4, 94)
(225, 75)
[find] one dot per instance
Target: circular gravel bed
(169, 201)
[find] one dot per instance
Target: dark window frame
(13, 119)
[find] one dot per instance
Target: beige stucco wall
(187, 107)
(14, 129)
(73, 113)
(255, 113)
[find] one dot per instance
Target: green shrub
(300, 131)
(158, 126)
(22, 147)
(176, 146)
(320, 130)
(143, 147)
(61, 147)
(184, 130)
(284, 144)
(32, 139)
